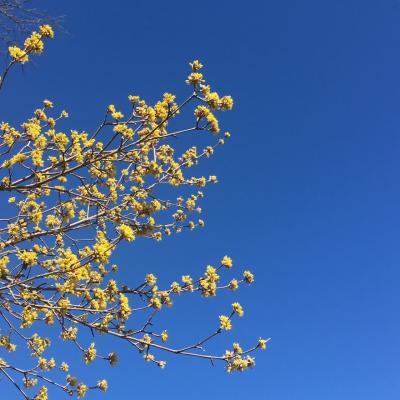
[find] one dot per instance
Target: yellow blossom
(81, 390)
(196, 65)
(226, 103)
(233, 284)
(28, 257)
(262, 344)
(225, 322)
(34, 43)
(126, 232)
(64, 367)
(227, 262)
(18, 54)
(151, 279)
(164, 336)
(248, 277)
(48, 103)
(102, 385)
(47, 31)
(90, 354)
(237, 309)
(43, 394)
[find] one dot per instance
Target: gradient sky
(309, 192)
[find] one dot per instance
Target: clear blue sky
(309, 193)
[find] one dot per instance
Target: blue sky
(309, 194)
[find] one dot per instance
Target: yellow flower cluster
(5, 342)
(239, 363)
(238, 309)
(262, 344)
(151, 280)
(3, 266)
(69, 333)
(124, 311)
(18, 54)
(90, 354)
(38, 344)
(102, 385)
(46, 31)
(126, 232)
(81, 390)
(28, 317)
(227, 262)
(29, 258)
(248, 277)
(225, 322)
(208, 284)
(43, 394)
(33, 44)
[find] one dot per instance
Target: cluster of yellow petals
(33, 45)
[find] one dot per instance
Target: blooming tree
(73, 197)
